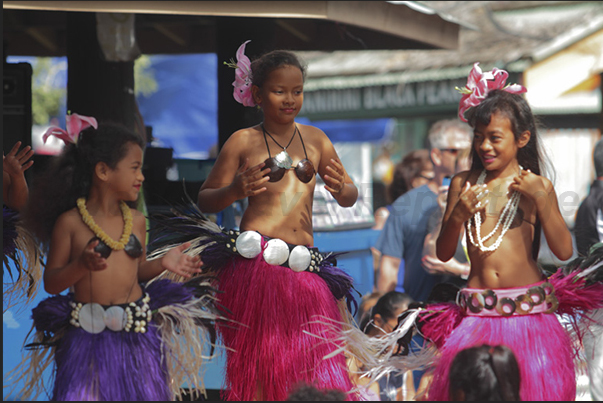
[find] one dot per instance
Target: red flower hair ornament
(242, 83)
(75, 125)
(480, 84)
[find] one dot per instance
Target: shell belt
(94, 318)
(298, 258)
(539, 298)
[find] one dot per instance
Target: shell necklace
(506, 218)
(89, 221)
(283, 159)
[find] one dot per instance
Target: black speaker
(16, 107)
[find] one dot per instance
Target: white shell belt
(275, 251)
(94, 318)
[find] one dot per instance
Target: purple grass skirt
(272, 353)
(110, 365)
(543, 347)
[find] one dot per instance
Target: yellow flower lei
(89, 221)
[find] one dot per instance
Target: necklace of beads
(506, 218)
(89, 221)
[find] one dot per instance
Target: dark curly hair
(69, 175)
(264, 65)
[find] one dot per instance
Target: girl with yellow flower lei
(118, 316)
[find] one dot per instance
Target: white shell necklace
(506, 218)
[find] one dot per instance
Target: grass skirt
(542, 347)
(272, 351)
(545, 349)
(275, 311)
(122, 365)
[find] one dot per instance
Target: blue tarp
(358, 131)
(184, 110)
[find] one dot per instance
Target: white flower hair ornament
(480, 84)
(75, 125)
(242, 83)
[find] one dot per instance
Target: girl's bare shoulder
(68, 221)
(311, 132)
(244, 135)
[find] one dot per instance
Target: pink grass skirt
(544, 349)
(540, 343)
(271, 353)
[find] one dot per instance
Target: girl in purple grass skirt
(120, 333)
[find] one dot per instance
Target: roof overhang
(406, 27)
(569, 79)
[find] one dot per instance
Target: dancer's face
(282, 94)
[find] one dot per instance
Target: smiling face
(495, 143)
(126, 179)
(282, 94)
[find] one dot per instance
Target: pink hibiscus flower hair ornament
(480, 84)
(75, 125)
(242, 83)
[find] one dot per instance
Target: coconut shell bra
(279, 164)
(133, 248)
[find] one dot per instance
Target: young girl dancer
(21, 252)
(276, 284)
(503, 202)
(110, 327)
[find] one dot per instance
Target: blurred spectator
(588, 228)
(396, 385)
(367, 302)
(415, 170)
(455, 270)
(485, 373)
(404, 232)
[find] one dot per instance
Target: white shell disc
(92, 318)
(249, 244)
(115, 318)
(300, 258)
(276, 252)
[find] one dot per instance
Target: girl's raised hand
(528, 184)
(15, 163)
(249, 181)
(180, 263)
(92, 260)
(471, 200)
(334, 181)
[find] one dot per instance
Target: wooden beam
(398, 20)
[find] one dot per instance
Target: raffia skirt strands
(546, 344)
(277, 309)
(125, 365)
(22, 261)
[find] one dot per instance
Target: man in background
(401, 239)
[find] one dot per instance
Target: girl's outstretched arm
(60, 273)
(175, 261)
(541, 192)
